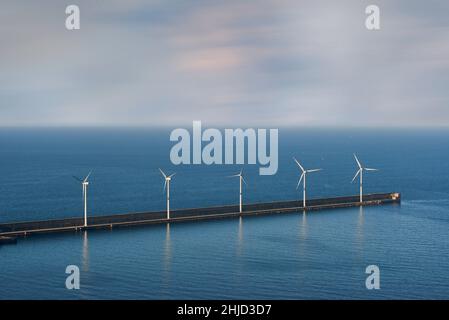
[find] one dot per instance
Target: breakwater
(16, 229)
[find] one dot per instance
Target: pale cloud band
(248, 63)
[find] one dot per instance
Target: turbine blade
(299, 181)
(371, 169)
(77, 179)
(357, 173)
(241, 171)
(297, 162)
(235, 175)
(165, 185)
(243, 179)
(313, 170)
(172, 175)
(358, 162)
(87, 177)
(162, 172)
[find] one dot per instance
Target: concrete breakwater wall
(94, 222)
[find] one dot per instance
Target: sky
(260, 63)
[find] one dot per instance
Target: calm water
(319, 255)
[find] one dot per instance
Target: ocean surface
(316, 255)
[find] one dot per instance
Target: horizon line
(223, 126)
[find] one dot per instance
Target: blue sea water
(317, 255)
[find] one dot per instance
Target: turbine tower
(167, 185)
(85, 184)
(360, 172)
(303, 176)
(241, 180)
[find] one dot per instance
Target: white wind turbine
(85, 184)
(360, 172)
(303, 176)
(241, 180)
(167, 185)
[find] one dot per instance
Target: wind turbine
(167, 185)
(303, 176)
(85, 184)
(241, 180)
(360, 172)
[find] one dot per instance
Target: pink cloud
(211, 60)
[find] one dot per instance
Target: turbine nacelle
(85, 180)
(240, 175)
(304, 172)
(166, 178)
(361, 168)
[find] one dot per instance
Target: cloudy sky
(227, 63)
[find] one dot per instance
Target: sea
(301, 255)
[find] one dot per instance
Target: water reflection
(85, 260)
(167, 249)
(359, 229)
(303, 230)
(240, 237)
(166, 264)
(302, 234)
